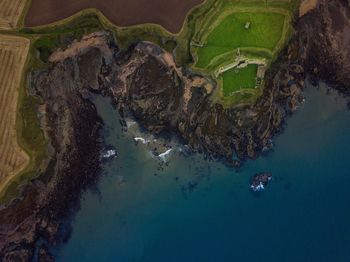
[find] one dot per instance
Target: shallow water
(303, 215)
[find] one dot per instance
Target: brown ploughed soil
(168, 13)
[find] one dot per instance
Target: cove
(303, 215)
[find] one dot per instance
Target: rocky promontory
(145, 82)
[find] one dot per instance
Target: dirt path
(79, 47)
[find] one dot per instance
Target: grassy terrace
(235, 80)
(264, 31)
(236, 32)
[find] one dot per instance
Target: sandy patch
(306, 6)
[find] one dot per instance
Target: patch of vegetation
(183, 52)
(237, 79)
(261, 30)
(235, 31)
(92, 20)
(31, 130)
(128, 36)
(46, 45)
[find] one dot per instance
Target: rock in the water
(109, 153)
(260, 181)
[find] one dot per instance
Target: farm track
(10, 12)
(13, 55)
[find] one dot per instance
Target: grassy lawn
(265, 31)
(236, 79)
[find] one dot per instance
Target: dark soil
(170, 14)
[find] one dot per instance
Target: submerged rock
(109, 153)
(260, 181)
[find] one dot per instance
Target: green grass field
(265, 31)
(237, 79)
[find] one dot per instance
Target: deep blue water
(303, 215)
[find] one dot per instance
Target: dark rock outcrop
(324, 38)
(260, 181)
(165, 98)
(72, 125)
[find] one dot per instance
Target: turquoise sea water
(303, 215)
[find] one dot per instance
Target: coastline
(191, 197)
(285, 83)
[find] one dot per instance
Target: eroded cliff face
(324, 39)
(163, 98)
(145, 82)
(72, 125)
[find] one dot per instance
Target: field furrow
(6, 57)
(10, 12)
(3, 128)
(8, 77)
(13, 54)
(11, 160)
(3, 6)
(5, 148)
(7, 156)
(16, 8)
(6, 8)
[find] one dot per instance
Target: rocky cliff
(324, 38)
(72, 125)
(144, 81)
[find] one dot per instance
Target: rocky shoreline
(145, 82)
(324, 51)
(73, 127)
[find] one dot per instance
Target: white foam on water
(164, 156)
(144, 141)
(109, 154)
(258, 188)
